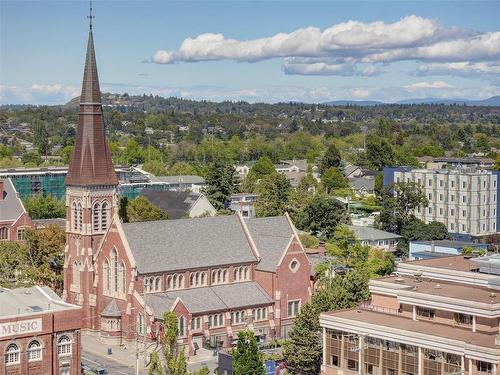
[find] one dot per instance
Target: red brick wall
(53, 325)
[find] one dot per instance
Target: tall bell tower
(91, 198)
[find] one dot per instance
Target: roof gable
(11, 206)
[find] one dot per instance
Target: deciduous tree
(141, 209)
(247, 360)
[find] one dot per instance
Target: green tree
(221, 183)
(273, 191)
(321, 216)
(331, 158)
(122, 210)
(247, 360)
(304, 349)
(40, 137)
(309, 241)
(156, 167)
(182, 168)
(334, 179)
(399, 203)
(155, 367)
(141, 209)
(379, 153)
(31, 159)
(45, 207)
(262, 167)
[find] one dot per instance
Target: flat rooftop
(453, 262)
(444, 289)
(450, 243)
(30, 301)
(417, 326)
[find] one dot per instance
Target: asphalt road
(113, 367)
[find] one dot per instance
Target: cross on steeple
(90, 16)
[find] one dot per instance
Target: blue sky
(392, 50)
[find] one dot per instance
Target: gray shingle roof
(111, 310)
(175, 203)
(362, 183)
(169, 245)
(371, 234)
(207, 299)
(271, 236)
(11, 206)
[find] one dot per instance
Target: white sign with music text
(20, 327)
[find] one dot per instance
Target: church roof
(91, 159)
(111, 310)
(11, 206)
(271, 236)
(207, 299)
(170, 245)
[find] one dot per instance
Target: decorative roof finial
(90, 16)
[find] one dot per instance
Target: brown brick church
(218, 274)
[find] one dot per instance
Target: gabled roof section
(170, 245)
(90, 162)
(371, 234)
(11, 206)
(175, 203)
(271, 235)
(207, 299)
(111, 310)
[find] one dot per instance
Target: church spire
(91, 159)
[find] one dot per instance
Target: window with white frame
(140, 325)
(4, 233)
(152, 284)
(96, 216)
(175, 281)
(106, 275)
(237, 317)
(182, 326)
(64, 345)
(104, 215)
(219, 276)
(79, 211)
(196, 323)
(12, 354)
(241, 273)
(215, 320)
(198, 278)
(293, 308)
(259, 314)
(122, 279)
(34, 351)
(21, 233)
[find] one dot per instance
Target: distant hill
(493, 101)
(335, 103)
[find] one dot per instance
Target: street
(113, 367)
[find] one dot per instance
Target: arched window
(74, 209)
(114, 270)
(181, 326)
(246, 273)
(197, 278)
(157, 284)
(170, 282)
(64, 345)
(80, 216)
(191, 280)
(140, 324)
(104, 215)
(203, 278)
(96, 212)
(76, 274)
(4, 233)
(12, 354)
(122, 277)
(34, 351)
(106, 275)
(181, 281)
(219, 276)
(235, 274)
(214, 277)
(224, 276)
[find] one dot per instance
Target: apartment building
(464, 199)
(433, 317)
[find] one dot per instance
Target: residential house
(375, 238)
(243, 203)
(14, 218)
(180, 204)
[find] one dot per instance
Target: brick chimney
(322, 248)
(1, 189)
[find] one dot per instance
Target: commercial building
(434, 317)
(464, 199)
(218, 274)
(439, 248)
(132, 180)
(39, 333)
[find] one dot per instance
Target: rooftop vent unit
(399, 279)
(438, 286)
(492, 295)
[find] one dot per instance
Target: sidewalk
(126, 355)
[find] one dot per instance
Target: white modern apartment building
(464, 199)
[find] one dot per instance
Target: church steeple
(91, 163)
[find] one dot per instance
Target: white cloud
(339, 49)
(437, 85)
(483, 70)
(38, 93)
